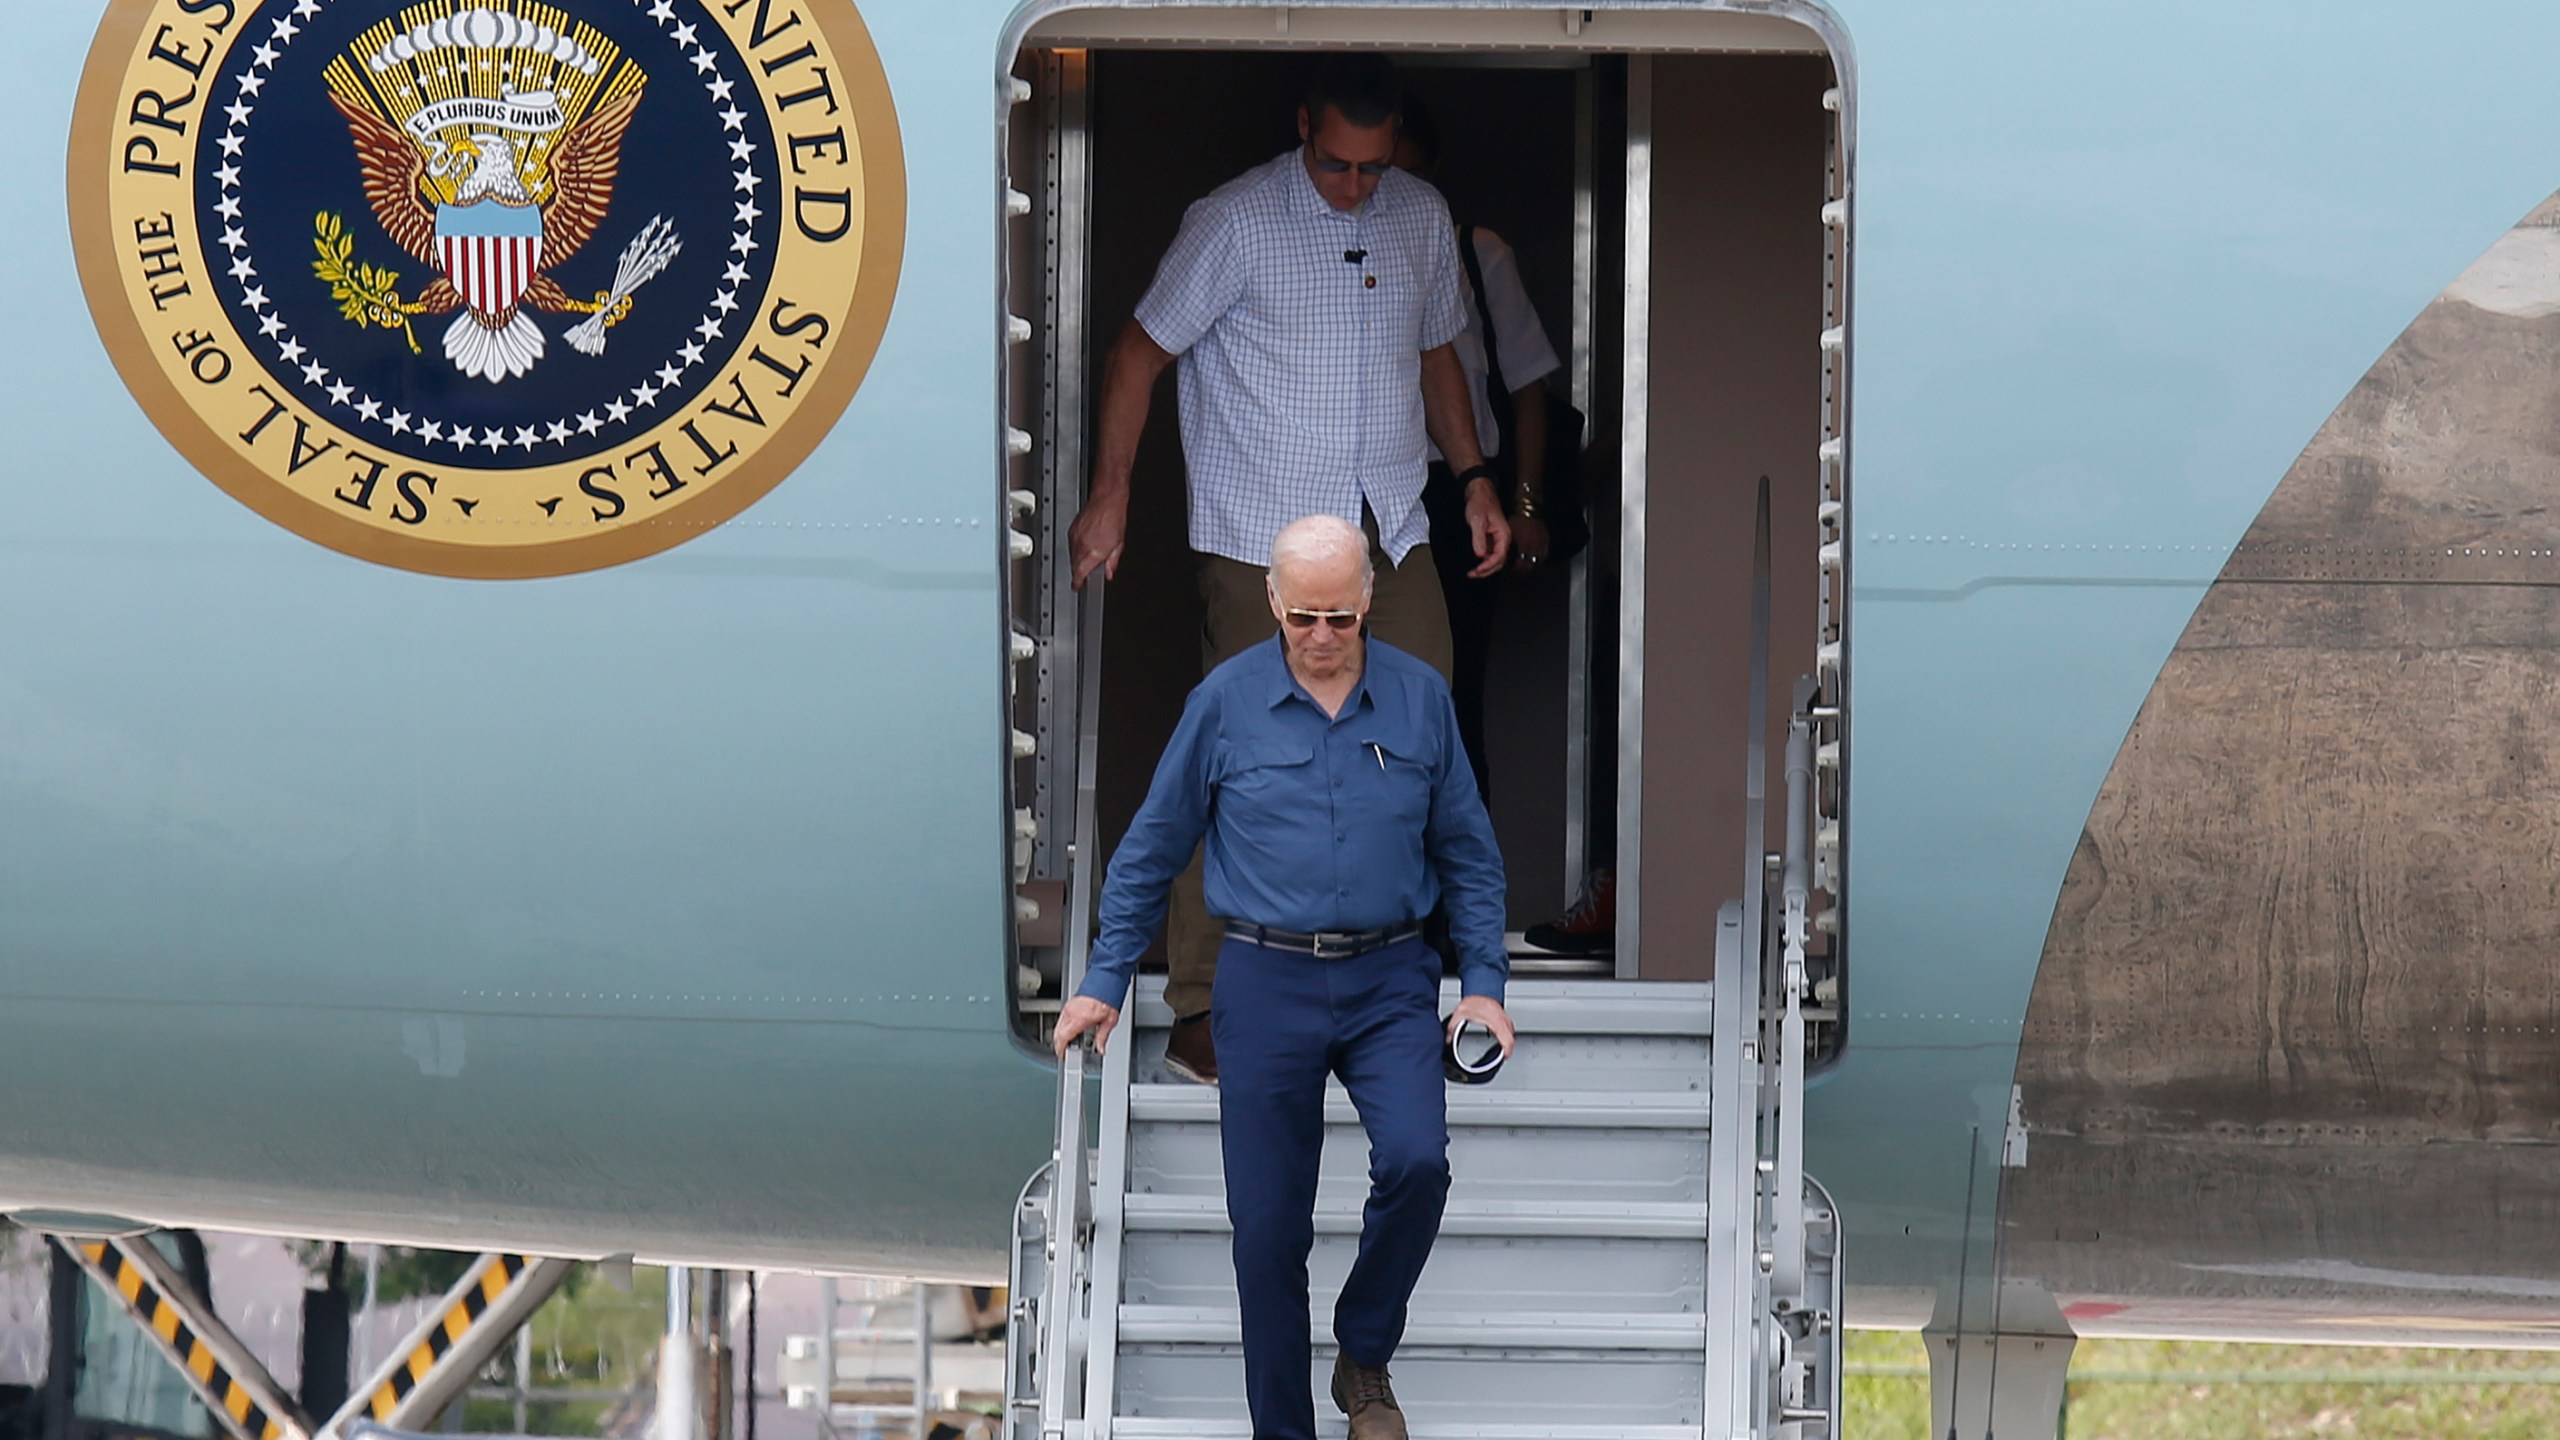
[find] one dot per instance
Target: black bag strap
(1496, 392)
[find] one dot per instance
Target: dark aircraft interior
(1734, 285)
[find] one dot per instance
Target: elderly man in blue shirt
(1324, 770)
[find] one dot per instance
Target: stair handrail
(1066, 1292)
(1757, 931)
(1732, 1316)
(1755, 780)
(1108, 1210)
(1766, 983)
(1795, 893)
(1737, 1390)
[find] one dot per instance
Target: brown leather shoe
(1362, 1392)
(1190, 1052)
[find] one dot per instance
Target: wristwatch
(1476, 472)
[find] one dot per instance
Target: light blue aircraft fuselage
(664, 907)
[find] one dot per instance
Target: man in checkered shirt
(1313, 301)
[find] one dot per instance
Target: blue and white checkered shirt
(1301, 376)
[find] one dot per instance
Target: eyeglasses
(1371, 168)
(1306, 619)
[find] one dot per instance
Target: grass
(2184, 1390)
(595, 1335)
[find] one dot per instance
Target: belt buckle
(1333, 945)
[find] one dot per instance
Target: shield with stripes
(490, 250)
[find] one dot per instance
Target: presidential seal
(489, 288)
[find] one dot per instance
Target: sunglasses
(1371, 168)
(1306, 619)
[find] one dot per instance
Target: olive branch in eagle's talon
(366, 294)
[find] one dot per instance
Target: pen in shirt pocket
(1380, 751)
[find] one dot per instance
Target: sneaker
(1590, 927)
(1190, 1052)
(1362, 1392)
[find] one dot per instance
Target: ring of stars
(461, 439)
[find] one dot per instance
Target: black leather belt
(1322, 944)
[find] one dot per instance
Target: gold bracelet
(1524, 501)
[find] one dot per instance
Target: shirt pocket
(1267, 775)
(1399, 285)
(1399, 776)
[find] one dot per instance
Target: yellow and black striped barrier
(244, 1405)
(433, 1367)
(462, 1310)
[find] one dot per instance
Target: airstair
(885, 1352)
(1605, 1266)
(1631, 1249)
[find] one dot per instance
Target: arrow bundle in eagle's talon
(650, 251)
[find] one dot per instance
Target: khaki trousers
(1406, 610)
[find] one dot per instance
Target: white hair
(1318, 538)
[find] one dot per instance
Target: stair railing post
(1067, 1322)
(1749, 1405)
(1786, 1190)
(1110, 1206)
(1731, 1203)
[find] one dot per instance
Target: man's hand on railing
(1081, 1014)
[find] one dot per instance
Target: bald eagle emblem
(489, 145)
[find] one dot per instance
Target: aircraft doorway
(1679, 221)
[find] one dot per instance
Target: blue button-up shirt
(1354, 821)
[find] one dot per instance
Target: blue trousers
(1282, 1023)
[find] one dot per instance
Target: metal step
(1487, 1105)
(1145, 1427)
(1557, 1007)
(1472, 1392)
(1528, 961)
(1467, 1273)
(1614, 1036)
(1528, 1165)
(1492, 1330)
(1514, 1219)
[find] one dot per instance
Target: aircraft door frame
(1043, 198)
